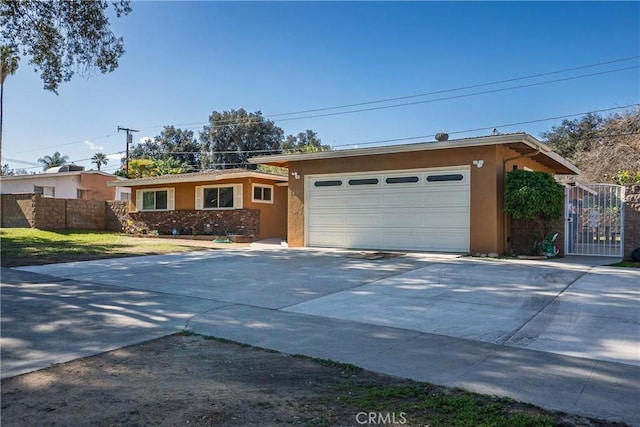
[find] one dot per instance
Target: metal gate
(594, 220)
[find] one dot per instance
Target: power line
(489, 127)
(455, 89)
(379, 141)
(421, 136)
(458, 96)
(222, 123)
(63, 144)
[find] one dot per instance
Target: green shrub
(534, 196)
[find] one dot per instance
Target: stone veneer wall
(116, 215)
(242, 222)
(631, 219)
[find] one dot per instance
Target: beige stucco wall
(273, 216)
(488, 228)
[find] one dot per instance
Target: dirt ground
(197, 381)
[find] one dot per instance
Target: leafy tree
(173, 144)
(575, 136)
(61, 37)
(599, 146)
(626, 177)
(231, 137)
(171, 166)
(99, 159)
(304, 142)
(534, 196)
(145, 168)
(6, 171)
(8, 66)
(52, 161)
(141, 168)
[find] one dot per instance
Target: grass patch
(29, 246)
(439, 406)
(626, 264)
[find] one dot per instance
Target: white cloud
(91, 146)
(146, 139)
(116, 156)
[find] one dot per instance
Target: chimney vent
(442, 136)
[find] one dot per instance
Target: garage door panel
(327, 201)
(326, 220)
(419, 215)
(425, 220)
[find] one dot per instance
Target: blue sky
(187, 59)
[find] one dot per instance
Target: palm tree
(8, 66)
(99, 159)
(53, 161)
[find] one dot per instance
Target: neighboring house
(435, 196)
(66, 182)
(218, 202)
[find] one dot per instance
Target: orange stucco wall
(273, 216)
(488, 222)
(96, 186)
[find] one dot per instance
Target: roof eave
(169, 179)
(564, 166)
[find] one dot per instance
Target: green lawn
(28, 246)
(628, 264)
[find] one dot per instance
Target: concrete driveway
(562, 334)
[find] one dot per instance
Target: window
(219, 197)
(45, 191)
(331, 183)
(158, 199)
(82, 194)
(262, 193)
(402, 180)
(441, 178)
(363, 181)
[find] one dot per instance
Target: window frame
(170, 199)
(237, 196)
(262, 187)
(45, 190)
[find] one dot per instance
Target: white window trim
(47, 190)
(170, 199)
(254, 200)
(237, 197)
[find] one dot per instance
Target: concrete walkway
(561, 334)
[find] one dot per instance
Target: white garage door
(426, 210)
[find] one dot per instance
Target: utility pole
(129, 142)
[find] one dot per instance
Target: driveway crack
(186, 323)
(584, 386)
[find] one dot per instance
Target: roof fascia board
(41, 175)
(199, 178)
(390, 149)
(544, 149)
